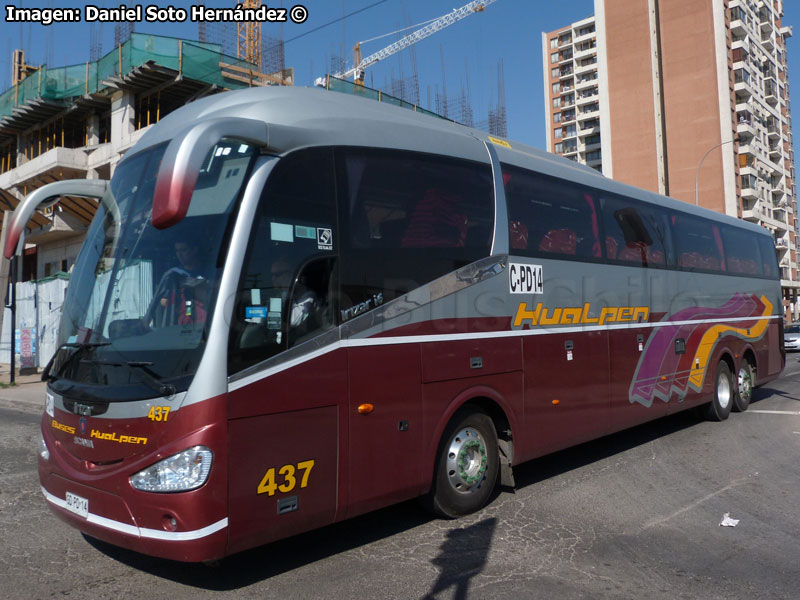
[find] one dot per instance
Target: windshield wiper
(79, 346)
(150, 379)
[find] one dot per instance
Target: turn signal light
(365, 409)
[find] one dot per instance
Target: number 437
(268, 484)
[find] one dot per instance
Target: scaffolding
(200, 61)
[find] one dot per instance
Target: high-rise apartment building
(572, 92)
(693, 102)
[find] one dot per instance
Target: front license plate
(78, 505)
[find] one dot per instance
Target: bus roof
(300, 117)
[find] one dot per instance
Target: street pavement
(27, 390)
(635, 515)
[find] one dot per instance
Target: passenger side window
(635, 235)
(411, 218)
(286, 287)
(551, 218)
(742, 255)
(698, 244)
(769, 256)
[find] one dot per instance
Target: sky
(470, 50)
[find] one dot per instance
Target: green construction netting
(208, 64)
(348, 87)
(196, 60)
(69, 82)
(6, 102)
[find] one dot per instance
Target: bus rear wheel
(720, 407)
(466, 466)
(744, 388)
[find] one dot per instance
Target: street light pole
(697, 175)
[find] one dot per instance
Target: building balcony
(750, 194)
(43, 168)
(586, 98)
(780, 225)
(593, 129)
(775, 153)
(743, 92)
(738, 27)
(774, 167)
(745, 130)
(767, 42)
(773, 131)
(566, 72)
(586, 83)
(579, 69)
(594, 163)
(585, 53)
(594, 146)
(771, 95)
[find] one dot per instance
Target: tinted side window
(636, 235)
(409, 218)
(698, 244)
(769, 256)
(285, 291)
(742, 255)
(550, 217)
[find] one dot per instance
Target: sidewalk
(29, 389)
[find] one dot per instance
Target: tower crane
(360, 64)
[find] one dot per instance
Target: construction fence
(334, 84)
(38, 315)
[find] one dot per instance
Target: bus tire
(466, 466)
(720, 407)
(744, 386)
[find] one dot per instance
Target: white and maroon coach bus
(295, 306)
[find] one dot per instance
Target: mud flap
(506, 447)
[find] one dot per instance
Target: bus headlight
(180, 472)
(43, 451)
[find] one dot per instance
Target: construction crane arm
(412, 38)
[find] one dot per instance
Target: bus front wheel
(466, 466)
(724, 391)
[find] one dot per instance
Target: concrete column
(93, 123)
(122, 119)
(21, 159)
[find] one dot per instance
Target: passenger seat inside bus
(436, 222)
(559, 241)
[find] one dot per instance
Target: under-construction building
(78, 121)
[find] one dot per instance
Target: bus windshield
(140, 299)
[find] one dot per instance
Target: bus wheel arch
(474, 452)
